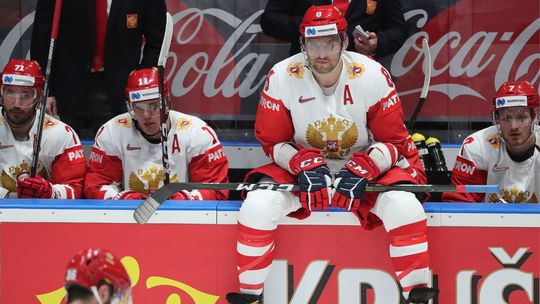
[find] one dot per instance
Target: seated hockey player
(96, 276)
(61, 162)
(324, 112)
(126, 159)
(507, 153)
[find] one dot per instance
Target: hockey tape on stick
(162, 60)
(426, 67)
(45, 93)
(145, 210)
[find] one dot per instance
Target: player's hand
(314, 178)
(50, 107)
(315, 187)
(130, 195)
(34, 187)
(349, 190)
(366, 46)
(184, 195)
(351, 181)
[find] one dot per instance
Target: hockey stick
(163, 53)
(145, 210)
(426, 66)
(45, 93)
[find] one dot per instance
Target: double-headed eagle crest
(514, 195)
(148, 181)
(334, 137)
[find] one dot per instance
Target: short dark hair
(78, 292)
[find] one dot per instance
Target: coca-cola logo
(209, 71)
(472, 56)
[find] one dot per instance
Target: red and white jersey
(122, 159)
(61, 159)
(363, 109)
(483, 159)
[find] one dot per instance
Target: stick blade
(166, 44)
(426, 67)
(145, 210)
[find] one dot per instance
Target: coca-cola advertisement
(219, 55)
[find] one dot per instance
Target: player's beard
(324, 68)
(18, 117)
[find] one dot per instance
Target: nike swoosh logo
(302, 99)
(2, 147)
(131, 148)
(497, 168)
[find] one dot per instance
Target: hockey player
(328, 111)
(507, 153)
(61, 164)
(126, 159)
(96, 276)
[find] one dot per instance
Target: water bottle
(438, 163)
(420, 143)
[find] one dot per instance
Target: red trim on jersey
(103, 170)
(210, 167)
(465, 172)
(66, 172)
(273, 123)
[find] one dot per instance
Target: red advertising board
(195, 263)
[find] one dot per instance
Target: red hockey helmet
(91, 266)
(21, 72)
(143, 84)
(516, 94)
(322, 20)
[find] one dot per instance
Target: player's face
(323, 53)
(515, 123)
(19, 104)
(147, 115)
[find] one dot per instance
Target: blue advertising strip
(235, 206)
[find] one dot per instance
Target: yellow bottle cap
(432, 140)
(418, 137)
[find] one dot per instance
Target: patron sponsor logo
(269, 104)
(132, 148)
(301, 99)
(465, 166)
(75, 155)
(96, 158)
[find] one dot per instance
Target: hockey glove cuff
(34, 187)
(130, 195)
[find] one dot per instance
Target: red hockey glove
(351, 181)
(34, 187)
(130, 195)
(350, 190)
(314, 178)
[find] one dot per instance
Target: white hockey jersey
(364, 109)
(123, 159)
(483, 159)
(61, 159)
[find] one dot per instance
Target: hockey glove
(351, 181)
(314, 178)
(184, 195)
(350, 190)
(34, 187)
(130, 195)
